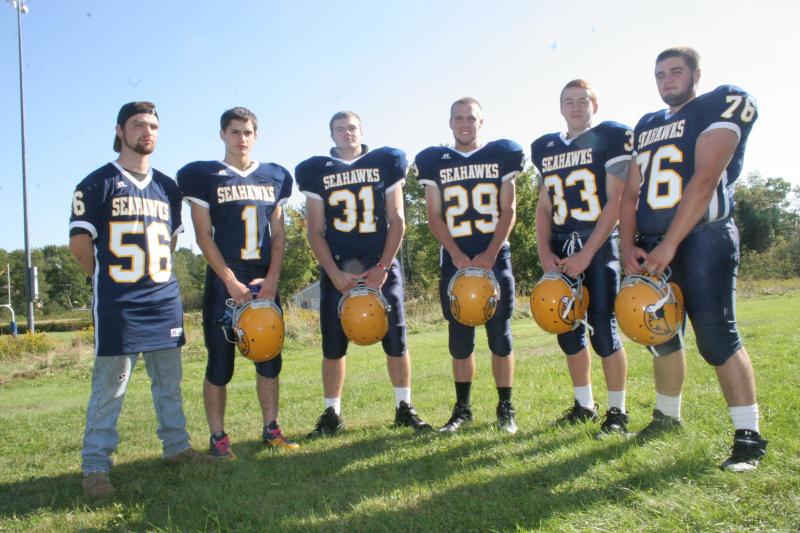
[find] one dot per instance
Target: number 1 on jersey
(250, 218)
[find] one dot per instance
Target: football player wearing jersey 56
(238, 223)
(676, 216)
(471, 200)
(126, 217)
(583, 172)
(356, 222)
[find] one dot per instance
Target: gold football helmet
(364, 313)
(258, 329)
(474, 293)
(649, 309)
(559, 303)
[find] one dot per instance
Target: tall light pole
(21, 6)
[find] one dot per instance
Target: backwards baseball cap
(127, 111)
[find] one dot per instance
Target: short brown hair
(580, 84)
(237, 113)
(466, 100)
(690, 55)
(339, 115)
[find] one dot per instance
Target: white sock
(745, 417)
(669, 405)
(336, 403)
(616, 398)
(584, 396)
(402, 394)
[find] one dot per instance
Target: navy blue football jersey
(469, 187)
(354, 194)
(573, 171)
(136, 300)
(240, 204)
(665, 153)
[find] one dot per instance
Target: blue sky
(398, 64)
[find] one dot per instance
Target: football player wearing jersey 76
(676, 216)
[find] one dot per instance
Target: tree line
(767, 213)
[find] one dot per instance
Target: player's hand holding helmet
(364, 314)
(474, 293)
(258, 329)
(649, 309)
(559, 303)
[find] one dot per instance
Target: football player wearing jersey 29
(356, 222)
(471, 200)
(583, 172)
(677, 215)
(125, 220)
(238, 223)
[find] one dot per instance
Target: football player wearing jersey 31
(238, 223)
(471, 200)
(125, 220)
(676, 216)
(356, 222)
(583, 172)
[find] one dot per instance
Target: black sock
(462, 392)
(504, 393)
(272, 425)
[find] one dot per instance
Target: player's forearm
(214, 257)
(321, 250)
(503, 229)
(82, 250)
(277, 250)
(627, 214)
(603, 227)
(394, 237)
(693, 204)
(543, 231)
(442, 234)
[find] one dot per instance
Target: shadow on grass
(370, 480)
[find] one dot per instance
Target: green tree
(299, 264)
(765, 208)
(189, 269)
(66, 282)
(524, 254)
(419, 252)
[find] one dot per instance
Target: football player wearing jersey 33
(238, 223)
(471, 200)
(677, 215)
(125, 220)
(583, 172)
(356, 222)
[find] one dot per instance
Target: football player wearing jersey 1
(125, 220)
(676, 216)
(471, 200)
(583, 172)
(356, 222)
(238, 223)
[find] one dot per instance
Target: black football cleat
(748, 449)
(615, 422)
(660, 423)
(406, 416)
(462, 414)
(327, 424)
(505, 417)
(578, 415)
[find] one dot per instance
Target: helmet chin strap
(652, 309)
(574, 244)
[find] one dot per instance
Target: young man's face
(346, 133)
(239, 138)
(676, 81)
(577, 108)
(140, 133)
(466, 121)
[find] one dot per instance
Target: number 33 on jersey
(240, 204)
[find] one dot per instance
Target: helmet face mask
(258, 329)
(364, 314)
(559, 303)
(649, 309)
(474, 294)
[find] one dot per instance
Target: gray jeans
(110, 378)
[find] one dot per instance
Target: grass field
(372, 478)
